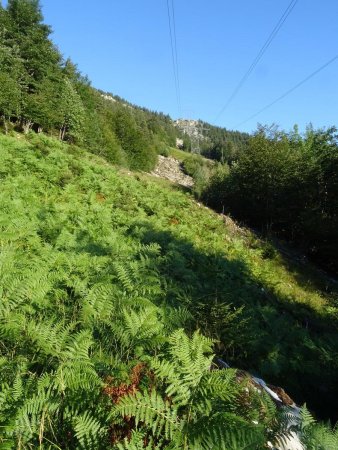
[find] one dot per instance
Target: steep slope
(99, 266)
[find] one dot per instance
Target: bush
(214, 191)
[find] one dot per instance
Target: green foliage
(71, 111)
(215, 192)
(317, 436)
(192, 163)
(134, 140)
(191, 412)
(223, 145)
(286, 183)
(96, 278)
(200, 169)
(9, 97)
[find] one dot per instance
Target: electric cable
(259, 56)
(173, 44)
(176, 57)
(289, 91)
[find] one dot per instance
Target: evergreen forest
(122, 294)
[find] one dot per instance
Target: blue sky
(124, 48)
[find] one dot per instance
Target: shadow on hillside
(286, 343)
(309, 274)
(305, 271)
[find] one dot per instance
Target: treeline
(221, 144)
(286, 183)
(42, 92)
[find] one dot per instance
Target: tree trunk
(26, 126)
(62, 132)
(5, 124)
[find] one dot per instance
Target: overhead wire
(259, 56)
(289, 91)
(176, 57)
(173, 44)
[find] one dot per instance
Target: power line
(173, 44)
(259, 56)
(290, 90)
(176, 57)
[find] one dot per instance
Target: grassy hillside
(99, 266)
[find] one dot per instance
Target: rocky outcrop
(170, 169)
(179, 143)
(108, 97)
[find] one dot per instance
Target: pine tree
(71, 111)
(32, 37)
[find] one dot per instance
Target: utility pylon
(194, 129)
(196, 149)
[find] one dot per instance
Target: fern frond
(98, 304)
(306, 417)
(88, 431)
(139, 328)
(188, 364)
(151, 410)
(140, 441)
(76, 370)
(190, 354)
(224, 431)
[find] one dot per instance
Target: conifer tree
(71, 111)
(32, 37)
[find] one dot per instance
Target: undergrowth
(101, 271)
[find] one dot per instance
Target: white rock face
(108, 97)
(179, 143)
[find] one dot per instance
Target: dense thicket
(99, 274)
(288, 184)
(41, 91)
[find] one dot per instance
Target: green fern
(88, 431)
(140, 441)
(316, 436)
(150, 409)
(190, 411)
